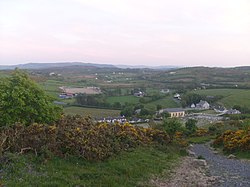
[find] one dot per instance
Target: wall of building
(177, 114)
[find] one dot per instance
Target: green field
(123, 99)
(93, 112)
(223, 92)
(52, 87)
(167, 102)
(231, 96)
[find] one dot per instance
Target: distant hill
(69, 64)
(54, 65)
(147, 67)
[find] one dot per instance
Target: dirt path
(232, 172)
(216, 170)
(190, 172)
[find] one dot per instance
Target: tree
(117, 105)
(158, 107)
(191, 98)
(171, 126)
(23, 101)
(191, 125)
(127, 111)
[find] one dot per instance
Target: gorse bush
(230, 140)
(75, 135)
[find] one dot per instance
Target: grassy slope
(231, 96)
(52, 87)
(93, 112)
(167, 102)
(127, 169)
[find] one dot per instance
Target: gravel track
(232, 172)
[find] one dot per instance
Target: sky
(129, 32)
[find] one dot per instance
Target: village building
(233, 111)
(139, 94)
(202, 105)
(163, 91)
(173, 112)
(177, 96)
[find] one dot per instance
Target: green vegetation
(127, 169)
(232, 137)
(21, 100)
(123, 99)
(201, 139)
(242, 155)
(94, 112)
(171, 126)
(191, 126)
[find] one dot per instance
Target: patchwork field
(93, 112)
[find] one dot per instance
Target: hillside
(193, 77)
(230, 98)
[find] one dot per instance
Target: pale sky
(132, 32)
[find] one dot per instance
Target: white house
(203, 105)
(139, 94)
(193, 105)
(233, 111)
(165, 91)
(177, 96)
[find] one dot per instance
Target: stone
(191, 153)
(231, 156)
(191, 145)
(199, 162)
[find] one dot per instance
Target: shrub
(238, 140)
(191, 126)
(201, 132)
(171, 126)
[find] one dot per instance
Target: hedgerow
(79, 136)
